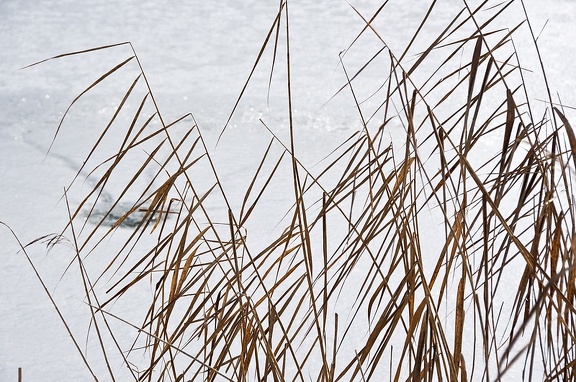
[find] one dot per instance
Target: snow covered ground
(197, 55)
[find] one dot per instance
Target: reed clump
(446, 253)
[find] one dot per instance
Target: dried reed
(401, 270)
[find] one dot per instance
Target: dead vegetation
(445, 255)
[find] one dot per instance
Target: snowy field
(197, 56)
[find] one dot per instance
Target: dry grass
(448, 256)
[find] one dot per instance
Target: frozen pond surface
(197, 56)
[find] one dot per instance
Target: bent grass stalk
(355, 254)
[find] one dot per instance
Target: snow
(197, 56)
